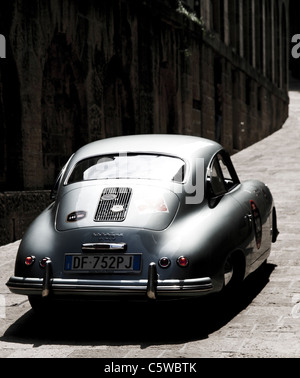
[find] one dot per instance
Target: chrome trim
(152, 281)
(47, 279)
(173, 287)
(104, 247)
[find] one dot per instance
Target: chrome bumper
(152, 287)
(34, 286)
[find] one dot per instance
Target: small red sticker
(257, 223)
(152, 205)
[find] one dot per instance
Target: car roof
(184, 146)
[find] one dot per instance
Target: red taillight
(43, 262)
(182, 261)
(164, 262)
(29, 260)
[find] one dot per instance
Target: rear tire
(228, 272)
(41, 306)
(234, 271)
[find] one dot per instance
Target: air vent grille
(113, 205)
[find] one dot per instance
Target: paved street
(264, 321)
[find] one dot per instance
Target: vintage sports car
(148, 217)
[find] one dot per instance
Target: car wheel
(234, 270)
(228, 272)
(41, 306)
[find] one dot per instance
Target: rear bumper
(153, 287)
(101, 288)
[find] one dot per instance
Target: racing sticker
(257, 223)
(152, 204)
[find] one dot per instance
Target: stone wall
(77, 71)
(18, 210)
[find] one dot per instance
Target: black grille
(113, 205)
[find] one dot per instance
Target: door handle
(249, 218)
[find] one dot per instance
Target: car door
(225, 193)
(252, 203)
(222, 176)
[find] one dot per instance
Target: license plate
(103, 263)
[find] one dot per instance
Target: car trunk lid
(141, 206)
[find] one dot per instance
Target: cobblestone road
(264, 321)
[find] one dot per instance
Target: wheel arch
(237, 261)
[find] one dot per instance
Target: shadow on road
(138, 323)
(294, 84)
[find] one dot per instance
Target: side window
(222, 175)
(226, 174)
(216, 179)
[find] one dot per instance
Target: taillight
(164, 262)
(43, 262)
(29, 260)
(182, 261)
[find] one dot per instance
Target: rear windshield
(129, 166)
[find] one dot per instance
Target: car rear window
(129, 166)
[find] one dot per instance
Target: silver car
(146, 217)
